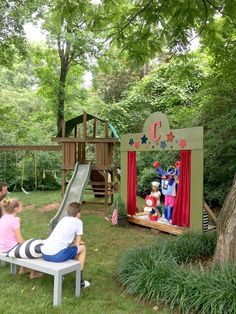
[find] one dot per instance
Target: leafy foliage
(159, 273)
(154, 25)
(114, 75)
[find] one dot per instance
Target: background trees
(114, 41)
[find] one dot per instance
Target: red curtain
(132, 183)
(181, 214)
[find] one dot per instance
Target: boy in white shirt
(64, 243)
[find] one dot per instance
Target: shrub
(160, 273)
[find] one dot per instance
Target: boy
(3, 193)
(64, 243)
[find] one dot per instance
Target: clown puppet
(169, 182)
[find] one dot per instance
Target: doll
(152, 201)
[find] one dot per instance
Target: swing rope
(35, 171)
(22, 178)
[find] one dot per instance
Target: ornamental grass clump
(164, 273)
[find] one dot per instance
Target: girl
(10, 234)
(155, 192)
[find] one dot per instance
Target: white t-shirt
(157, 194)
(63, 235)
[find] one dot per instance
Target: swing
(22, 178)
(35, 175)
(49, 170)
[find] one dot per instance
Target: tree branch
(206, 17)
(131, 19)
(219, 9)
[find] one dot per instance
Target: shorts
(169, 200)
(64, 255)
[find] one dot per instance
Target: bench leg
(13, 269)
(77, 282)
(57, 290)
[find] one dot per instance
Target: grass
(105, 245)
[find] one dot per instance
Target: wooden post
(63, 175)
(196, 190)
(112, 186)
(76, 145)
(75, 131)
(106, 129)
(94, 127)
(124, 177)
(63, 182)
(84, 124)
(63, 128)
(106, 189)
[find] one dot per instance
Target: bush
(159, 273)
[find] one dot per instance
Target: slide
(74, 191)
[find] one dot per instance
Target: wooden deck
(139, 220)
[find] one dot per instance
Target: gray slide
(74, 191)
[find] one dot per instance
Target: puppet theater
(157, 136)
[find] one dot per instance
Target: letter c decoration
(154, 131)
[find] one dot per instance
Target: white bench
(55, 269)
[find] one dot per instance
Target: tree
(68, 24)
(46, 66)
(13, 15)
(113, 75)
(225, 250)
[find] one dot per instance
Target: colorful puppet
(152, 201)
(168, 187)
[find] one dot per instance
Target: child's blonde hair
(9, 205)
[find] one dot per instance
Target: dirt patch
(49, 207)
(29, 207)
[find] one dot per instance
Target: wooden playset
(84, 135)
(157, 136)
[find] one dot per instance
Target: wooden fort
(85, 139)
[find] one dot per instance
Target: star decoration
(131, 141)
(137, 144)
(170, 137)
(182, 143)
(163, 144)
(144, 139)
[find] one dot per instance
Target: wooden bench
(55, 269)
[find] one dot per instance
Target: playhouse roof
(71, 124)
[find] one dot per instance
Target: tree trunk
(61, 95)
(145, 69)
(226, 241)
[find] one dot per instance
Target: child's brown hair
(2, 185)
(9, 205)
(73, 209)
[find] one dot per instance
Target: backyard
(104, 245)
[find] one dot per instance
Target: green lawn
(104, 245)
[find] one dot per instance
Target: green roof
(71, 124)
